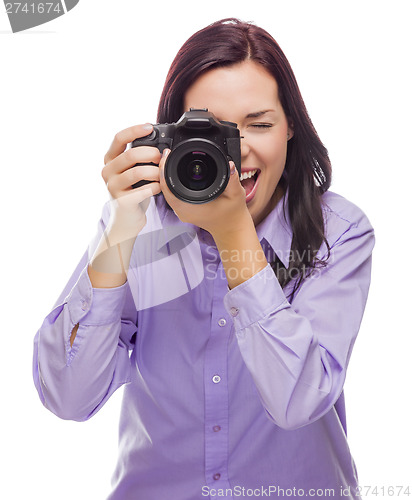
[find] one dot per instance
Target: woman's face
(247, 94)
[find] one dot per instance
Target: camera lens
(197, 170)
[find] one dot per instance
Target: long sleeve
(298, 353)
(74, 382)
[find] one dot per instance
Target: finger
(165, 190)
(232, 167)
(162, 164)
(146, 193)
(127, 159)
(148, 190)
(163, 158)
(124, 182)
(122, 139)
(234, 187)
(135, 197)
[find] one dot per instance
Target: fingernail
(232, 167)
(147, 126)
(166, 152)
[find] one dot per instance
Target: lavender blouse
(227, 393)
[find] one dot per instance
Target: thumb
(163, 186)
(234, 184)
(165, 154)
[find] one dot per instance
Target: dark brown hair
(307, 172)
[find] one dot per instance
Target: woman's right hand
(128, 205)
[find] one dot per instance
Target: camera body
(197, 168)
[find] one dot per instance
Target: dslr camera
(197, 168)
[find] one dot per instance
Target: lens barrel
(197, 170)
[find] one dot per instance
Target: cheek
(273, 154)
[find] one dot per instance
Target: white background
(68, 86)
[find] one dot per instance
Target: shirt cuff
(95, 306)
(255, 298)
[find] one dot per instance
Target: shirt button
(216, 476)
(221, 322)
(216, 428)
(216, 379)
(234, 311)
(84, 305)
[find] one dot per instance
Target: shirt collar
(275, 230)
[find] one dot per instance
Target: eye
(261, 125)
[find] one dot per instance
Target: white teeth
(247, 175)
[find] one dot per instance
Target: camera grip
(152, 141)
(148, 140)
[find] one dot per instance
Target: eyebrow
(258, 114)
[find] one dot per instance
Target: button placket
(216, 388)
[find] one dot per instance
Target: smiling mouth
(249, 182)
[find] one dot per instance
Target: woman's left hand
(227, 213)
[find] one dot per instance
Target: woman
(240, 314)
